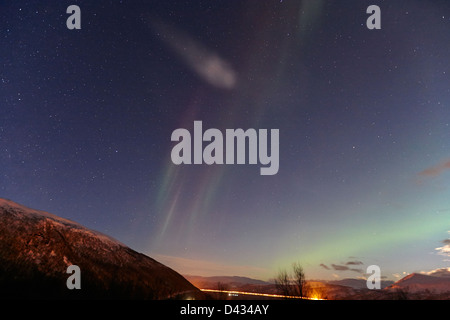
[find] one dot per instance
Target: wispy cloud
(338, 267)
(440, 272)
(445, 249)
(353, 263)
(206, 63)
(324, 266)
(344, 267)
(436, 170)
(400, 275)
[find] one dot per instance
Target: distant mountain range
(413, 286)
(357, 283)
(37, 247)
(203, 282)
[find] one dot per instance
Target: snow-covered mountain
(417, 282)
(37, 247)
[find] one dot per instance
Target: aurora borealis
(363, 119)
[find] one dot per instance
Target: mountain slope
(36, 248)
(357, 283)
(417, 282)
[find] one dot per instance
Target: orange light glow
(233, 293)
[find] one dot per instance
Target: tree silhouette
(294, 284)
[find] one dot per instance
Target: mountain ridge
(417, 282)
(229, 280)
(413, 286)
(36, 247)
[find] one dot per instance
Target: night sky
(86, 118)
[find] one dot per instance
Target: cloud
(339, 267)
(400, 275)
(350, 263)
(345, 268)
(207, 64)
(440, 272)
(436, 170)
(324, 266)
(444, 250)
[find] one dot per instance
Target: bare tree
(292, 284)
(283, 283)
(299, 279)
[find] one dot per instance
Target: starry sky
(86, 118)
